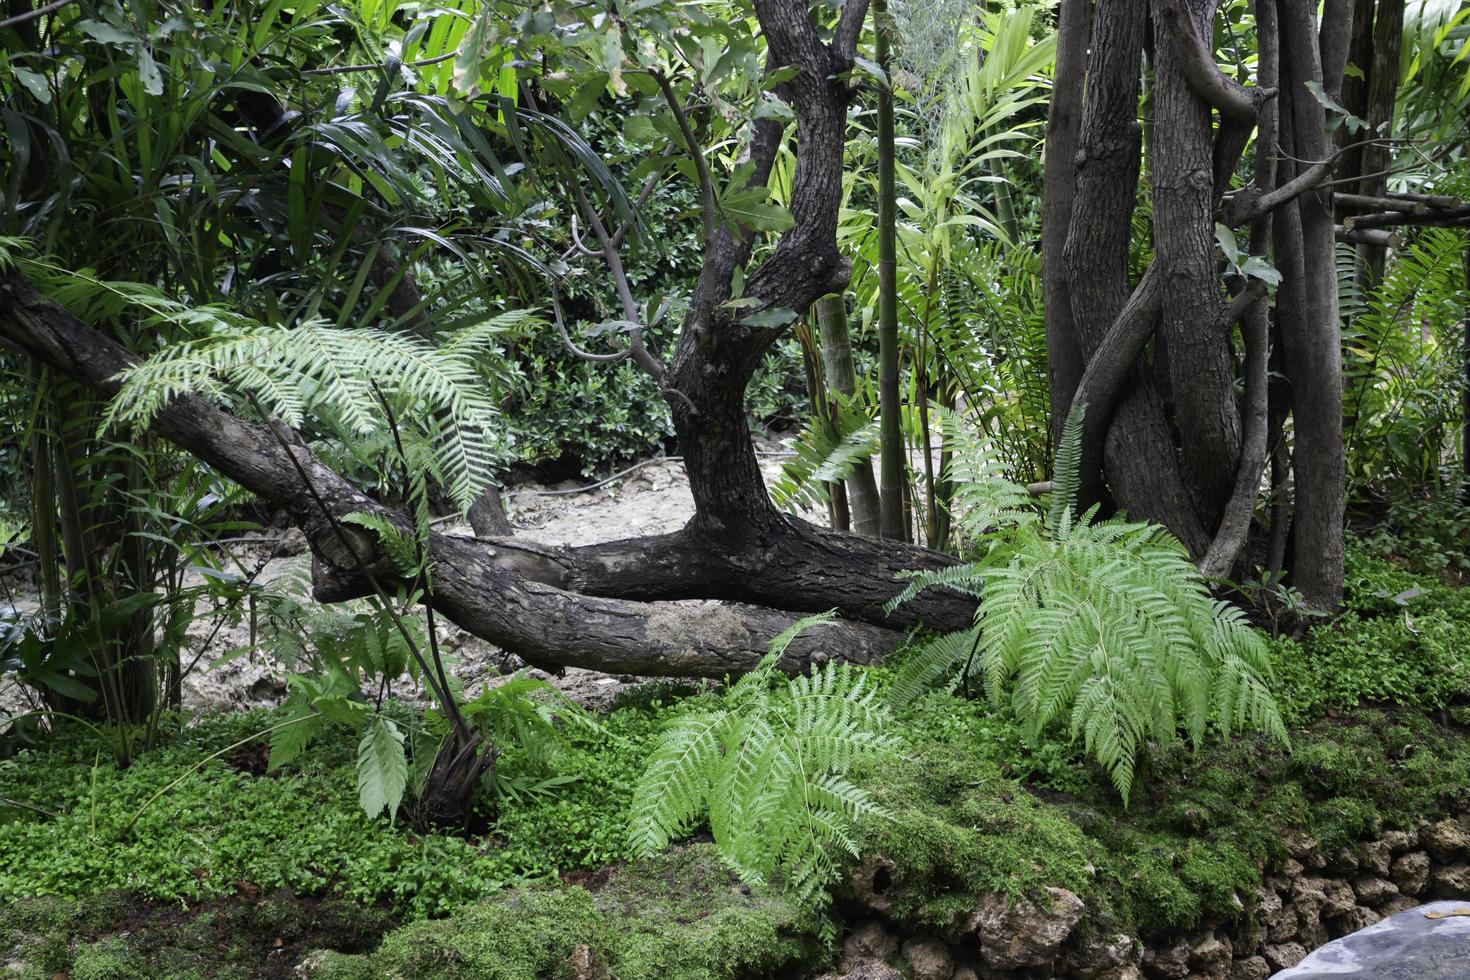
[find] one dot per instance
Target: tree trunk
(1201, 366)
(836, 342)
(1063, 128)
(892, 522)
(1311, 340)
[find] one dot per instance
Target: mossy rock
(681, 916)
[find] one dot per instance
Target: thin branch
(1451, 217)
(350, 69)
(29, 16)
(1235, 311)
(566, 337)
(1377, 237)
(701, 166)
(639, 353)
(849, 28)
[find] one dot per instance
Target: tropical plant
(767, 767)
(1103, 626)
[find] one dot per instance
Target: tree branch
(849, 28)
(1235, 102)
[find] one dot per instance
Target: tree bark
(836, 343)
(1063, 128)
(480, 585)
(1141, 463)
(1201, 367)
(890, 408)
(1311, 341)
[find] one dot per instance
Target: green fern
(827, 451)
(338, 376)
(1105, 629)
(768, 769)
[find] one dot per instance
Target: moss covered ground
(1376, 702)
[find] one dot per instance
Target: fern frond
(1066, 478)
(768, 771)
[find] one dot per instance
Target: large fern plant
(438, 401)
(1102, 629)
(767, 768)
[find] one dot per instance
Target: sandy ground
(652, 499)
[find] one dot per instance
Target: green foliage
(1105, 626)
(299, 826)
(769, 767)
(678, 916)
(382, 768)
(827, 450)
(338, 376)
(1402, 366)
(1403, 640)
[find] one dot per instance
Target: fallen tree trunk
(552, 606)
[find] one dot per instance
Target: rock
(1127, 971)
(1169, 963)
(870, 882)
(584, 965)
(1344, 862)
(1210, 957)
(869, 971)
(1285, 955)
(1399, 841)
(1411, 872)
(1445, 840)
(1250, 968)
(1359, 918)
(1023, 935)
(1451, 881)
(1286, 926)
(1406, 946)
(965, 973)
(1374, 891)
(1292, 869)
(1339, 899)
(1268, 908)
(1100, 956)
(1398, 904)
(928, 959)
(868, 941)
(308, 967)
(1299, 843)
(1312, 934)
(1377, 856)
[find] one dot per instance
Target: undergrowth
(971, 805)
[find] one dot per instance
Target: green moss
(680, 915)
(958, 828)
(108, 959)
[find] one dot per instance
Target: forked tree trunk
(613, 606)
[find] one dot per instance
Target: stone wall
(1310, 899)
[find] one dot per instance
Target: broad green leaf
(777, 316)
(1258, 268)
(382, 768)
(148, 72)
(34, 83)
(750, 208)
(105, 33)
